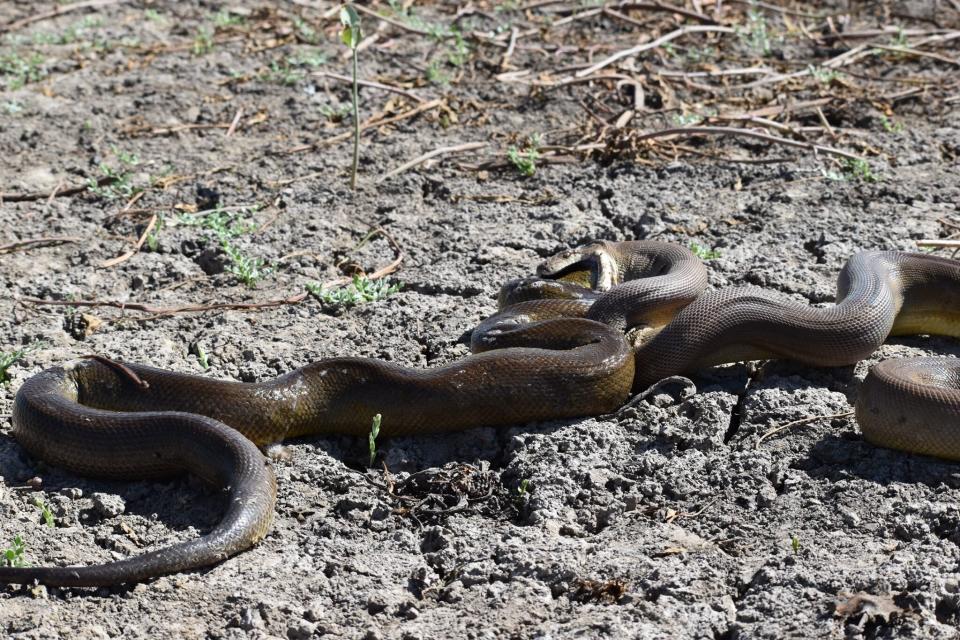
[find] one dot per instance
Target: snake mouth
(591, 266)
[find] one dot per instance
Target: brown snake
(530, 365)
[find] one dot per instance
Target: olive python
(557, 349)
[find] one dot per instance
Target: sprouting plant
(859, 169)
(312, 58)
(360, 291)
(526, 160)
(225, 18)
(304, 30)
(13, 555)
(7, 360)
(249, 270)
(18, 70)
(225, 224)
(702, 252)
(523, 489)
(372, 438)
(202, 357)
(687, 119)
(203, 41)
(756, 35)
(283, 73)
(117, 182)
(821, 75)
(795, 544)
(351, 36)
(12, 108)
(890, 126)
(45, 511)
(153, 15)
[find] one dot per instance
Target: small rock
(74, 493)
(301, 630)
(108, 505)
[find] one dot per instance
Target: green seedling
(44, 511)
(360, 291)
(351, 36)
(7, 360)
(203, 41)
(795, 544)
(523, 490)
(860, 169)
(702, 252)
(526, 160)
(202, 357)
(372, 439)
(821, 75)
(687, 119)
(224, 18)
(225, 224)
(304, 30)
(18, 71)
(890, 126)
(13, 555)
(756, 35)
(118, 181)
(248, 270)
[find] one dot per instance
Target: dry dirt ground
(211, 136)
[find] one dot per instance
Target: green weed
(821, 75)
(890, 126)
(13, 556)
(18, 70)
(756, 35)
(702, 252)
(7, 360)
(225, 224)
(225, 18)
(795, 544)
(859, 169)
(45, 511)
(248, 270)
(203, 41)
(119, 184)
(360, 291)
(526, 160)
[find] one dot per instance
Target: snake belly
(556, 350)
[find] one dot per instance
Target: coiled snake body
(556, 350)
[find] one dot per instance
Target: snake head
(592, 266)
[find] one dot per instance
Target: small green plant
(311, 58)
(702, 252)
(304, 30)
(523, 489)
(526, 160)
(7, 360)
(360, 291)
(821, 75)
(332, 114)
(202, 357)
(248, 270)
(282, 73)
(890, 126)
(351, 36)
(203, 41)
(44, 511)
(118, 181)
(13, 555)
(153, 15)
(372, 438)
(756, 35)
(12, 108)
(795, 544)
(225, 224)
(859, 168)
(225, 18)
(18, 70)
(687, 119)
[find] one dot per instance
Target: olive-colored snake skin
(530, 365)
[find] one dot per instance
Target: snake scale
(557, 349)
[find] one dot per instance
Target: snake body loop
(556, 350)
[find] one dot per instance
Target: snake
(596, 324)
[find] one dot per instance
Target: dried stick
(233, 125)
(469, 146)
(37, 242)
(748, 133)
(59, 11)
(58, 192)
(939, 244)
(163, 311)
(669, 8)
(370, 124)
(370, 83)
(673, 35)
(129, 254)
(795, 423)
